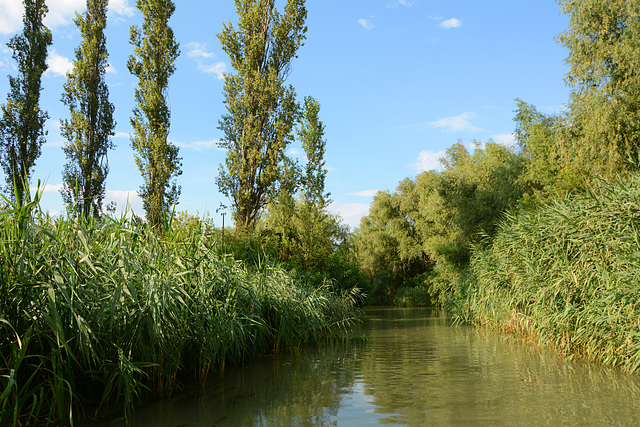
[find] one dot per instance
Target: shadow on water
(414, 369)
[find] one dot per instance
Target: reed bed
(566, 275)
(99, 314)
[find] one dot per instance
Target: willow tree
(90, 127)
(262, 110)
(22, 124)
(603, 39)
(153, 62)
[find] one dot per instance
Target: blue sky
(398, 81)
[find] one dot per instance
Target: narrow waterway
(414, 369)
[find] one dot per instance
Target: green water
(416, 369)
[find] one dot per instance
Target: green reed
(566, 275)
(98, 314)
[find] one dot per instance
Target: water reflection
(415, 370)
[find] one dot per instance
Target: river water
(412, 369)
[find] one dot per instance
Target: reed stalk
(566, 276)
(99, 313)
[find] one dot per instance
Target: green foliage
(566, 275)
(311, 135)
(428, 224)
(22, 124)
(262, 110)
(91, 125)
(99, 313)
(604, 58)
(153, 62)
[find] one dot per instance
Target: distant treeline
(539, 238)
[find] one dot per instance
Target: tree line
(263, 114)
(416, 242)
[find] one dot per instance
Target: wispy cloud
(364, 193)
(428, 160)
(10, 16)
(366, 24)
(206, 59)
(451, 23)
(126, 200)
(49, 188)
(121, 7)
(403, 3)
(504, 138)
(351, 213)
(61, 13)
(200, 145)
(58, 65)
(124, 135)
(458, 123)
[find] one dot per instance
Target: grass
(566, 276)
(100, 314)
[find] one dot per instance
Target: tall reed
(567, 275)
(96, 314)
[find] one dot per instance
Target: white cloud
(125, 135)
(10, 16)
(200, 145)
(364, 193)
(61, 12)
(121, 7)
(504, 138)
(219, 68)
(405, 3)
(198, 50)
(48, 188)
(451, 23)
(126, 200)
(58, 65)
(366, 24)
(428, 160)
(351, 213)
(199, 53)
(458, 123)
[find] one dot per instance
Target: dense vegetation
(97, 314)
(541, 238)
(566, 275)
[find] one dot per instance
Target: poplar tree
(22, 124)
(311, 135)
(153, 62)
(90, 127)
(262, 110)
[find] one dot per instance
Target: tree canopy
(153, 62)
(22, 124)
(262, 110)
(88, 132)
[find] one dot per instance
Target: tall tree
(153, 62)
(90, 127)
(22, 124)
(311, 135)
(261, 110)
(603, 39)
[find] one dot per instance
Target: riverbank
(100, 314)
(566, 276)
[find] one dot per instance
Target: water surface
(415, 369)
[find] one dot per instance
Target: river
(412, 369)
